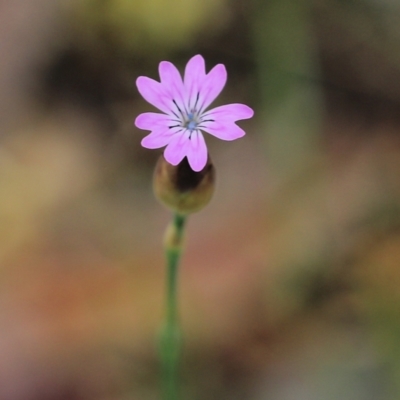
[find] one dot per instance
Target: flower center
(191, 121)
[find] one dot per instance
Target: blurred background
(290, 282)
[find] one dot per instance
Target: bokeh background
(290, 282)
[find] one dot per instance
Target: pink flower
(184, 103)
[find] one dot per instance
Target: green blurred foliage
(146, 26)
(287, 63)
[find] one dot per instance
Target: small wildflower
(184, 104)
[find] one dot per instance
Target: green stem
(170, 336)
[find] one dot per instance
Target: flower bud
(182, 189)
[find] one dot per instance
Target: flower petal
(169, 75)
(195, 73)
(172, 83)
(150, 121)
(153, 92)
(229, 112)
(158, 138)
(197, 152)
(223, 130)
(177, 149)
(212, 86)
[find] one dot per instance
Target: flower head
(184, 105)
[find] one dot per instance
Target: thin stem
(170, 336)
